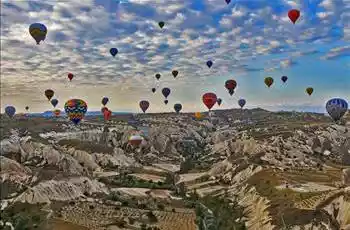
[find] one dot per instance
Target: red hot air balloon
(144, 105)
(209, 99)
(70, 76)
(107, 114)
(135, 140)
(294, 15)
(230, 86)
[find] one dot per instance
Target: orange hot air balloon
(57, 112)
(268, 81)
(309, 90)
(197, 115)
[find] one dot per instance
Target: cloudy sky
(247, 40)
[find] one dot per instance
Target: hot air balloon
(49, 93)
(104, 100)
(38, 31)
(175, 73)
(135, 140)
(10, 111)
(294, 15)
(268, 81)
(177, 107)
(284, 79)
(103, 109)
(219, 101)
(241, 103)
(197, 115)
(309, 90)
(107, 114)
(166, 102)
(209, 99)
(336, 108)
(227, 1)
(27, 107)
(57, 112)
(209, 63)
(157, 76)
(153, 90)
(70, 76)
(161, 24)
(113, 51)
(144, 105)
(75, 109)
(54, 102)
(230, 86)
(166, 92)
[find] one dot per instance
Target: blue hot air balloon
(10, 111)
(336, 108)
(209, 63)
(241, 103)
(38, 31)
(177, 108)
(104, 101)
(113, 51)
(166, 92)
(54, 102)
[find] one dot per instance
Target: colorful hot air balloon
(144, 105)
(309, 90)
(54, 102)
(177, 108)
(107, 114)
(294, 15)
(268, 81)
(161, 24)
(241, 103)
(49, 93)
(10, 111)
(70, 76)
(27, 107)
(219, 101)
(230, 86)
(113, 51)
(75, 109)
(284, 79)
(209, 63)
(135, 140)
(57, 112)
(153, 90)
(336, 108)
(209, 99)
(197, 115)
(38, 31)
(166, 92)
(175, 73)
(104, 101)
(157, 76)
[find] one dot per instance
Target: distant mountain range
(88, 113)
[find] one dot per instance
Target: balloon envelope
(57, 112)
(197, 115)
(49, 93)
(161, 24)
(336, 108)
(177, 107)
(175, 73)
(284, 78)
(38, 31)
(157, 76)
(309, 90)
(27, 107)
(107, 114)
(70, 76)
(75, 109)
(10, 111)
(209, 99)
(144, 105)
(241, 102)
(219, 101)
(113, 51)
(153, 90)
(105, 100)
(209, 63)
(135, 140)
(294, 15)
(230, 84)
(54, 102)
(268, 81)
(166, 92)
